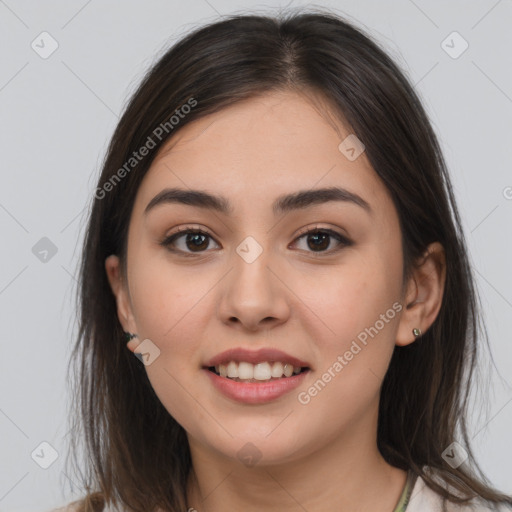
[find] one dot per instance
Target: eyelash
(168, 241)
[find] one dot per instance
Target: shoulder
(424, 499)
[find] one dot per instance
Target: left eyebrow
(296, 201)
(306, 198)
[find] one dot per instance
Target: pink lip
(255, 392)
(255, 356)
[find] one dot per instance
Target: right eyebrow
(197, 198)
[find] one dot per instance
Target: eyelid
(180, 229)
(318, 227)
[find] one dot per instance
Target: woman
(275, 233)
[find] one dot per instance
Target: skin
(308, 303)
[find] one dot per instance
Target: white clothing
(425, 499)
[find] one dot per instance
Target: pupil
(194, 237)
(322, 244)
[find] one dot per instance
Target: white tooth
(277, 370)
(232, 369)
(262, 371)
(245, 370)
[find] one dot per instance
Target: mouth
(266, 371)
(256, 384)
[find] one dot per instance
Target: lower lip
(255, 392)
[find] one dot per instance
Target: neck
(341, 476)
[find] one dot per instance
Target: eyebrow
(296, 201)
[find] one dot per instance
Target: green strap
(406, 493)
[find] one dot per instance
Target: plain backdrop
(58, 112)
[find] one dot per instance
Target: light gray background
(57, 115)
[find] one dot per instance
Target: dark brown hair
(424, 396)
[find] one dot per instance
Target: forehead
(259, 149)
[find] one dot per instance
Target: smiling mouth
(258, 373)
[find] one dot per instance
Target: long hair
(424, 396)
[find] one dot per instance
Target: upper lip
(255, 356)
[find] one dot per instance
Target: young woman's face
(255, 281)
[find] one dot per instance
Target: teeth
(277, 370)
(262, 371)
(259, 371)
(288, 370)
(245, 371)
(232, 369)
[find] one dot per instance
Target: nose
(255, 295)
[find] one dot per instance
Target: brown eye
(318, 240)
(194, 241)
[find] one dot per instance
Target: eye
(319, 239)
(194, 239)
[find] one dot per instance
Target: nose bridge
(252, 292)
(251, 275)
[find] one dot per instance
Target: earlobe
(424, 295)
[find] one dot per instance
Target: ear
(120, 291)
(424, 294)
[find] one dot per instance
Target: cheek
(169, 303)
(359, 310)
(169, 308)
(346, 299)
(354, 336)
